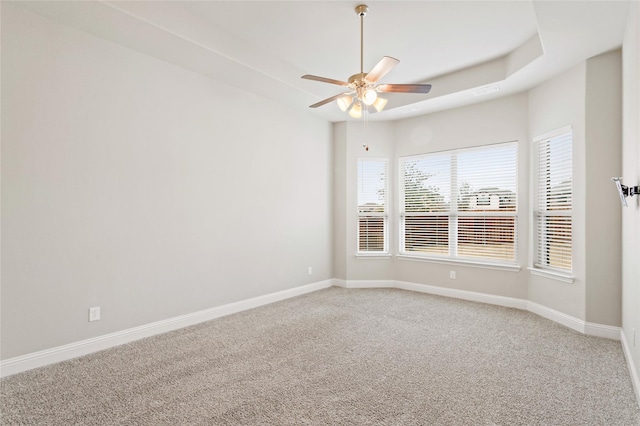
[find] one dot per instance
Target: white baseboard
(557, 316)
(588, 328)
(632, 368)
(602, 330)
(472, 296)
(337, 282)
(369, 284)
(85, 347)
(591, 329)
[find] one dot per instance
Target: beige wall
(143, 188)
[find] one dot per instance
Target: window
(553, 202)
(373, 206)
(460, 204)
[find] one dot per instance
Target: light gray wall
(379, 138)
(631, 174)
(554, 104)
(340, 201)
(578, 98)
(588, 98)
(603, 156)
(495, 121)
(143, 188)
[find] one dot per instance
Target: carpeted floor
(340, 357)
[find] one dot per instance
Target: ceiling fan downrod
(361, 11)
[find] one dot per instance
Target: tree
(420, 197)
(464, 196)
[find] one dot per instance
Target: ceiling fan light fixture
(356, 110)
(344, 102)
(369, 96)
(379, 104)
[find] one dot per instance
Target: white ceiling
(266, 46)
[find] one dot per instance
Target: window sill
(471, 263)
(565, 278)
(373, 255)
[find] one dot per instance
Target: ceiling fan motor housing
(358, 79)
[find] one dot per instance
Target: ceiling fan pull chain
(365, 143)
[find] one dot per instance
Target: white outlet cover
(94, 313)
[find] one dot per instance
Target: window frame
(385, 252)
(453, 214)
(537, 266)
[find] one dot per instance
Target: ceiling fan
(363, 91)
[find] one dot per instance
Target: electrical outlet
(94, 313)
(310, 270)
(452, 275)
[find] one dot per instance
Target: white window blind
(373, 203)
(461, 204)
(553, 202)
(487, 202)
(426, 190)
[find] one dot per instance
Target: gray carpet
(342, 357)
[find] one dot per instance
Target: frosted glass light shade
(356, 110)
(344, 102)
(379, 104)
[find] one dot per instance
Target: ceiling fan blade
(326, 101)
(325, 80)
(404, 88)
(386, 64)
